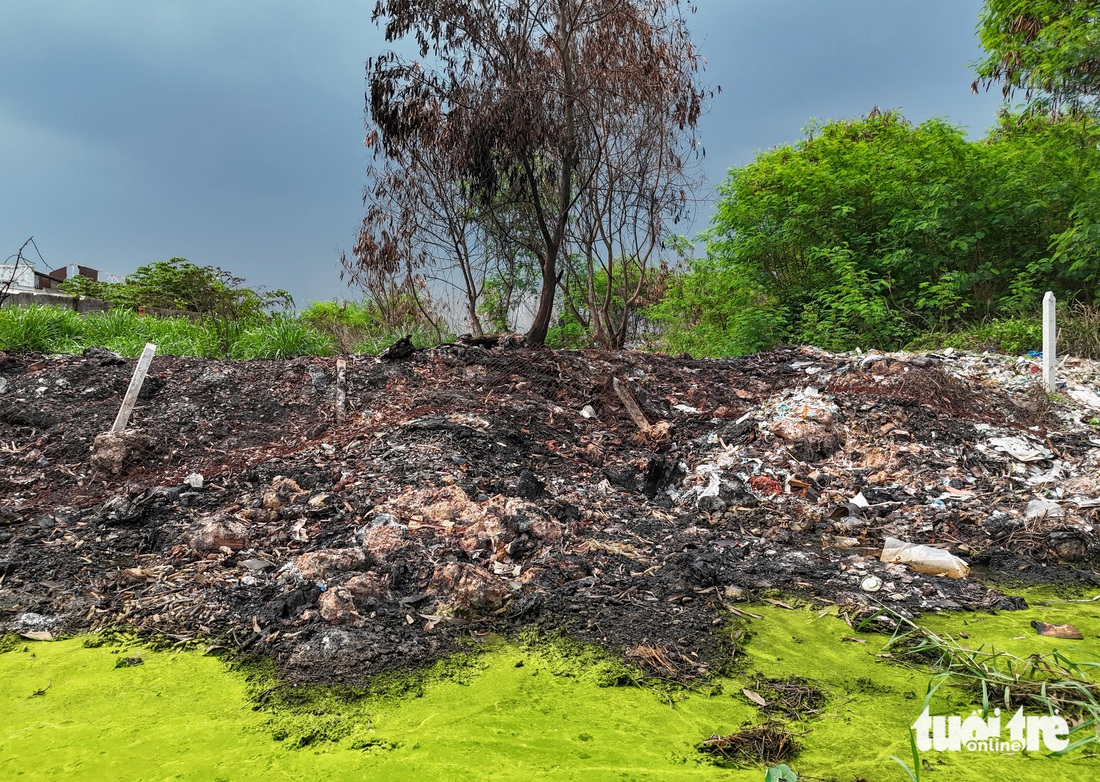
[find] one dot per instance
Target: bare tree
(520, 109)
(642, 184)
(7, 282)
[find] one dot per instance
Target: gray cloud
(231, 133)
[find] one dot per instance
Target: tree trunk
(536, 335)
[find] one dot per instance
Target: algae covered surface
(85, 709)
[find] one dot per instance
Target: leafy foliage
(1008, 335)
(364, 328)
(1048, 49)
(178, 284)
(603, 305)
(870, 231)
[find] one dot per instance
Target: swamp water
(84, 709)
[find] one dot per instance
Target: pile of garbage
(347, 519)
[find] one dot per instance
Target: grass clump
(282, 337)
(52, 330)
(1003, 335)
(1078, 334)
(1052, 682)
(38, 329)
(1079, 331)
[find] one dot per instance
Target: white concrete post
(1049, 358)
(132, 392)
(341, 389)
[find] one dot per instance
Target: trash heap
(633, 500)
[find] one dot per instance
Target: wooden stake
(1049, 331)
(341, 388)
(631, 404)
(132, 392)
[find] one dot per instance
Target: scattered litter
(754, 697)
(37, 635)
(112, 451)
(871, 584)
(1057, 631)
(1044, 509)
(924, 559)
(1020, 449)
(1085, 396)
(473, 489)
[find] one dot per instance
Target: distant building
(24, 277)
(17, 278)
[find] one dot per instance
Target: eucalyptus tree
(521, 114)
(1048, 49)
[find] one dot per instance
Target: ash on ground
(627, 499)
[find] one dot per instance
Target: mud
(469, 493)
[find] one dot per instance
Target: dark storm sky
(231, 133)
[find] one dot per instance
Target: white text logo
(977, 734)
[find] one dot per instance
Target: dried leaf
(754, 697)
(779, 603)
(1057, 631)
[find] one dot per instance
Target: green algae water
(510, 712)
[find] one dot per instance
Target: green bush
(360, 327)
(569, 334)
(181, 285)
(870, 231)
(713, 311)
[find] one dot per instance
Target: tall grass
(52, 330)
(1078, 334)
(126, 333)
(38, 329)
(282, 337)
(1079, 331)
(1004, 335)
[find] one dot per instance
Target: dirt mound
(467, 491)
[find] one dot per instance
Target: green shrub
(361, 327)
(346, 313)
(569, 334)
(181, 285)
